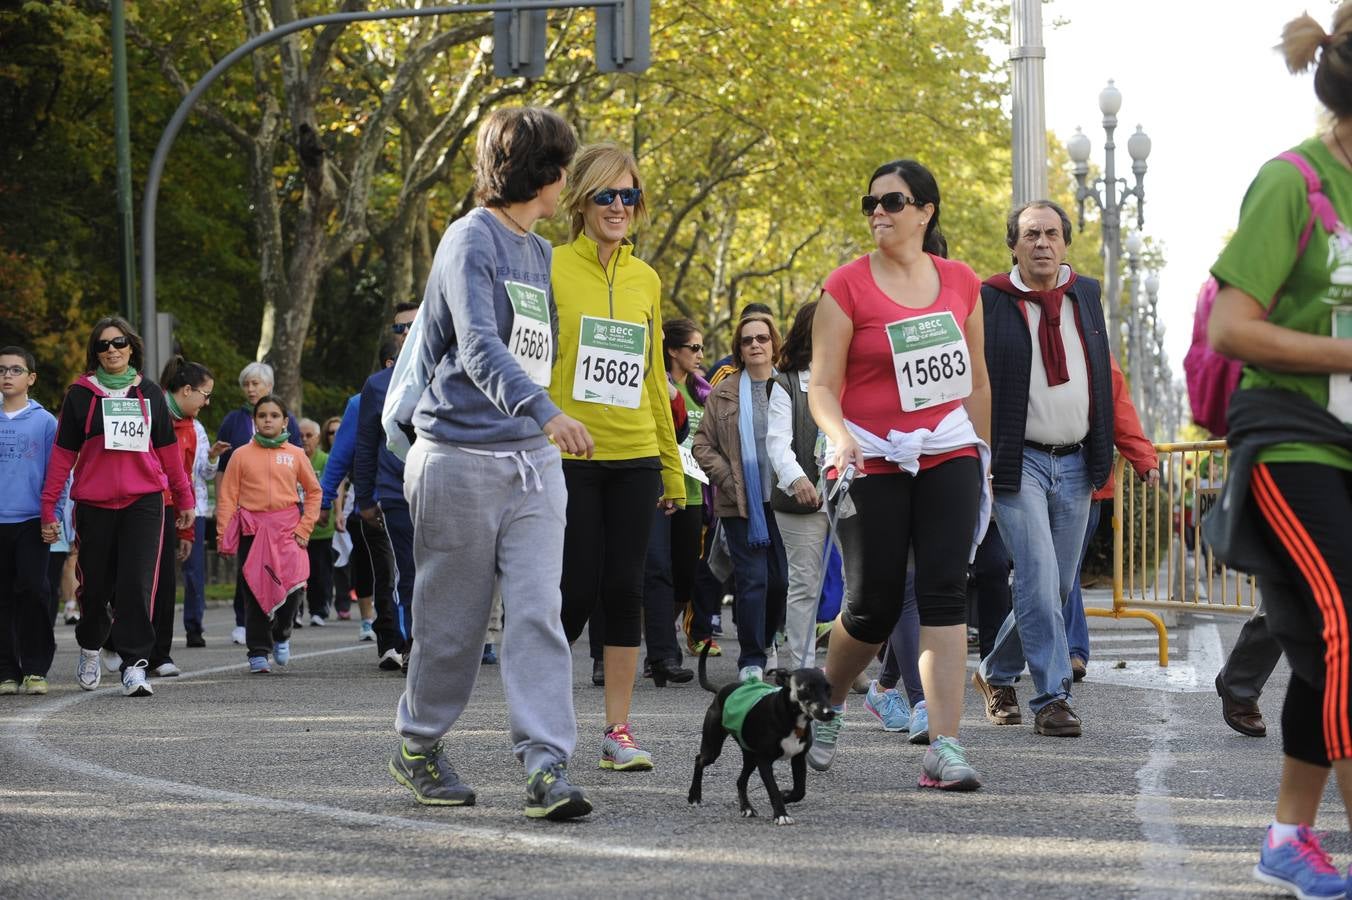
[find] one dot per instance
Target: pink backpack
(1211, 377)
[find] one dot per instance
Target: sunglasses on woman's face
(749, 339)
(891, 202)
(121, 342)
(694, 348)
(333, 434)
(628, 196)
(401, 327)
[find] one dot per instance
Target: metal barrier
(1160, 561)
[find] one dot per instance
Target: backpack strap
(1320, 206)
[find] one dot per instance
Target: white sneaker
(87, 671)
(391, 660)
(751, 673)
(237, 635)
(317, 621)
(368, 631)
(134, 682)
(167, 670)
(111, 661)
(72, 612)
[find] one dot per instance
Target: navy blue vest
(1009, 358)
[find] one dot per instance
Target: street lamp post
(1135, 359)
(1158, 385)
(1110, 202)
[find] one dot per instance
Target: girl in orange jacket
(257, 501)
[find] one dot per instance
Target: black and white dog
(774, 727)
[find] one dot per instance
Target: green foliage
(755, 134)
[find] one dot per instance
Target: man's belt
(1056, 449)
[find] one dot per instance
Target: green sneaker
(8, 686)
(945, 767)
(430, 777)
(33, 684)
(550, 796)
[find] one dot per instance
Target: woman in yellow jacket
(609, 376)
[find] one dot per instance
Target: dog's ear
(777, 676)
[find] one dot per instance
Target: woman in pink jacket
(116, 433)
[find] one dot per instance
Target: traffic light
(622, 36)
(519, 43)
(622, 43)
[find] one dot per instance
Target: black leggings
(610, 513)
(933, 514)
(1307, 509)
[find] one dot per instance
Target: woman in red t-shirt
(899, 387)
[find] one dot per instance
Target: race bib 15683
(932, 363)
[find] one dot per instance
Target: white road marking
(1163, 871)
(1193, 673)
(22, 735)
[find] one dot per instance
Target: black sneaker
(550, 796)
(430, 777)
(195, 639)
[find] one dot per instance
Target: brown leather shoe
(1002, 706)
(1077, 669)
(1241, 715)
(1057, 719)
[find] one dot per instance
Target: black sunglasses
(749, 339)
(121, 342)
(401, 327)
(628, 196)
(693, 348)
(891, 202)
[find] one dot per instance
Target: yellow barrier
(1160, 561)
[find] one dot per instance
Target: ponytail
(179, 373)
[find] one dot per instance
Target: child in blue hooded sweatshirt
(27, 431)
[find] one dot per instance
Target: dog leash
(833, 500)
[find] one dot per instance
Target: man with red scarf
(1052, 446)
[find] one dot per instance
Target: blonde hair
(594, 169)
(1304, 38)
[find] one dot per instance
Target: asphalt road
(227, 784)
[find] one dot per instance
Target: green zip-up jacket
(630, 291)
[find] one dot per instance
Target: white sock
(1281, 833)
(838, 709)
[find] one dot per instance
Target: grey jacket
(478, 394)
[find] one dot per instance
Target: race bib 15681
(532, 339)
(610, 356)
(932, 363)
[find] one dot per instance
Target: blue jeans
(762, 575)
(1043, 525)
(195, 579)
(1077, 626)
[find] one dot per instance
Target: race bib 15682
(932, 363)
(610, 356)
(126, 425)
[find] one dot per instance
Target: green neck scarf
(115, 382)
(272, 443)
(174, 409)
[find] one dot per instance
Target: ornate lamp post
(1114, 195)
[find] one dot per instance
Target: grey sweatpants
(480, 521)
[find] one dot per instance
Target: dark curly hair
(520, 150)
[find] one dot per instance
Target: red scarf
(1049, 328)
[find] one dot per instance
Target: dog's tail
(703, 675)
